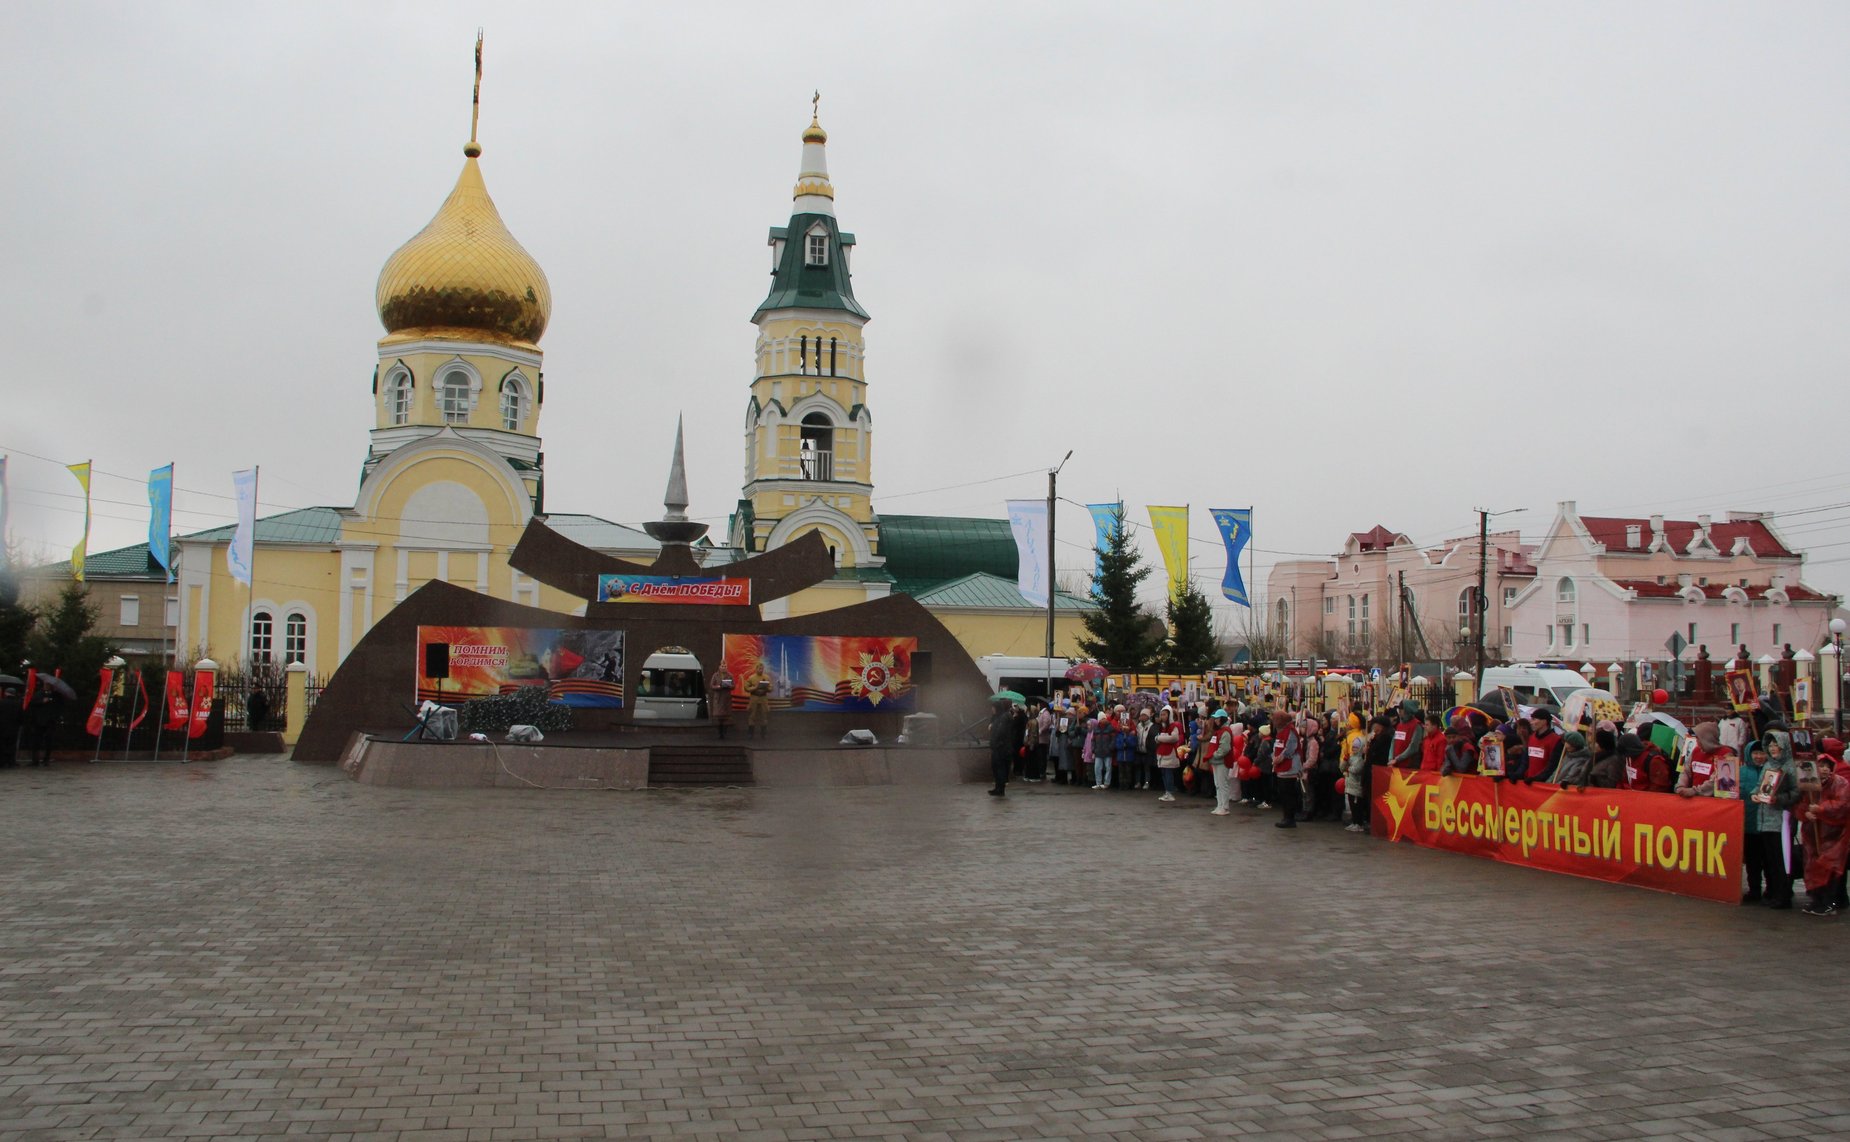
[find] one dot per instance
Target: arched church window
(295, 637)
(398, 397)
(263, 630)
(453, 397)
(818, 447)
(514, 403)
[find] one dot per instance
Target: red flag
(204, 679)
(176, 701)
(140, 705)
(32, 684)
(94, 726)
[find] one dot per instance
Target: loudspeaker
(921, 668)
(437, 660)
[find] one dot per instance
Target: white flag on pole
(243, 541)
(1028, 520)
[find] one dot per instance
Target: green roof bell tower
(808, 434)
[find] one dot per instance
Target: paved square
(255, 948)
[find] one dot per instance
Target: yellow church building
(454, 469)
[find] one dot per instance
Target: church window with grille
(263, 627)
(818, 250)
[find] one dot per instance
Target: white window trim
(129, 611)
(438, 385)
(268, 643)
(817, 237)
(515, 385)
(312, 634)
(400, 390)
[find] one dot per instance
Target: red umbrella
(1086, 672)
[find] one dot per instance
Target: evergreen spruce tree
(16, 622)
(1191, 648)
(1117, 633)
(62, 639)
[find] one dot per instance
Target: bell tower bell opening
(818, 447)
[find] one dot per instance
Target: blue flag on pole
(160, 518)
(1236, 527)
(1105, 519)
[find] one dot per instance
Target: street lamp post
(1053, 481)
(1837, 669)
(1480, 605)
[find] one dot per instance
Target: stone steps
(705, 764)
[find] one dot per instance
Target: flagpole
(129, 730)
(107, 702)
(167, 581)
(6, 507)
(250, 588)
(160, 723)
(1252, 557)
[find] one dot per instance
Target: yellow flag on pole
(1171, 527)
(82, 472)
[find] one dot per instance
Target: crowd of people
(1312, 767)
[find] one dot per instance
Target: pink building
(1612, 588)
(1346, 607)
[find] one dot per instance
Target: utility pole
(1401, 593)
(1053, 478)
(1481, 604)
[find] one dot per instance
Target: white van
(1026, 676)
(1535, 685)
(672, 687)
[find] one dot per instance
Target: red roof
(1650, 589)
(1610, 530)
(1377, 538)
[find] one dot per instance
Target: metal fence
(233, 693)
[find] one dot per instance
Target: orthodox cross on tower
(475, 104)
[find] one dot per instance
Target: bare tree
(1264, 641)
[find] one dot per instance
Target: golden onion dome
(465, 271)
(814, 132)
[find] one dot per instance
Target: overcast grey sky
(1351, 263)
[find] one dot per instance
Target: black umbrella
(57, 686)
(1492, 704)
(9, 680)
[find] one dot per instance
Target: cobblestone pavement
(255, 948)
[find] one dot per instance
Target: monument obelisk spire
(674, 526)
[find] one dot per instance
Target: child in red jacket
(1432, 749)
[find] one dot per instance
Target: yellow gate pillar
(295, 702)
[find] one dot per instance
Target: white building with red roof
(1616, 588)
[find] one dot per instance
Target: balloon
(1660, 697)
(1341, 782)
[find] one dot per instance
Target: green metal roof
(991, 592)
(931, 549)
(313, 526)
(122, 563)
(863, 574)
(795, 284)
